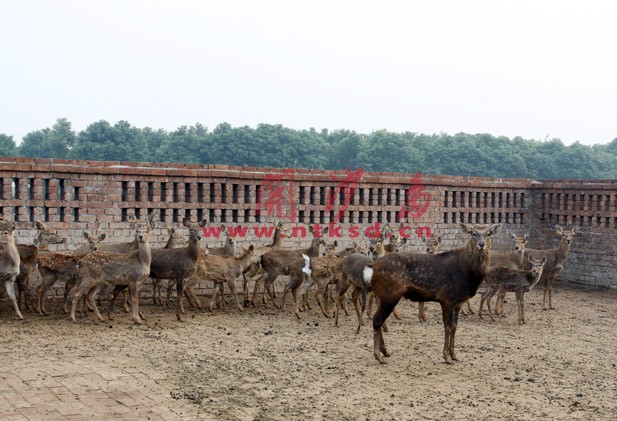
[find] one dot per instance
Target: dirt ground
(264, 364)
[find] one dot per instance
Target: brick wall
(73, 196)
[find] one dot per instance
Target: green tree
(7, 145)
(103, 142)
(49, 143)
(186, 144)
(34, 144)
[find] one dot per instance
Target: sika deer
(106, 268)
(512, 260)
(9, 262)
(172, 242)
(276, 262)
(554, 265)
(324, 271)
(450, 278)
(519, 281)
(28, 255)
(54, 266)
(352, 268)
(178, 264)
(432, 247)
(224, 269)
(255, 268)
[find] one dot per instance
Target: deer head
(93, 241)
(432, 244)
(566, 236)
(48, 235)
(520, 243)
(480, 234)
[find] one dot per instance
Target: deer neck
(313, 250)
(277, 242)
(10, 256)
(476, 261)
(245, 260)
(535, 279)
(171, 242)
(563, 250)
(193, 248)
(144, 254)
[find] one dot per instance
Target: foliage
(270, 145)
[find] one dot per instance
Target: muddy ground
(264, 364)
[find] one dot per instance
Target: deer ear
(512, 235)
(574, 230)
(424, 239)
(558, 229)
(526, 237)
(203, 223)
(186, 222)
(439, 238)
(465, 228)
(102, 237)
(325, 230)
(40, 225)
(85, 234)
(495, 229)
(335, 243)
(544, 259)
(311, 229)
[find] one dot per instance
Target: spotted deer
(106, 268)
(9, 262)
(449, 278)
(518, 281)
(56, 266)
(28, 254)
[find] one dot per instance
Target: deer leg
(490, 292)
(384, 309)
(179, 293)
(421, 312)
(85, 286)
(9, 285)
(217, 286)
(117, 290)
(89, 298)
(447, 314)
(68, 287)
(519, 304)
(134, 291)
(356, 296)
(41, 291)
(262, 278)
(341, 289)
(231, 283)
(469, 308)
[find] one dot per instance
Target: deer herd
(379, 271)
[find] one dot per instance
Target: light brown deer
(255, 268)
(324, 271)
(276, 262)
(224, 269)
(106, 268)
(554, 264)
(513, 260)
(352, 268)
(9, 262)
(172, 242)
(28, 254)
(450, 278)
(519, 281)
(56, 266)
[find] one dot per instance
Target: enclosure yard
(264, 364)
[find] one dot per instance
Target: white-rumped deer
(276, 262)
(449, 278)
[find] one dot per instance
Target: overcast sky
(538, 69)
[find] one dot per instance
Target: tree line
(269, 145)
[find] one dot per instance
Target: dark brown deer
(554, 264)
(106, 268)
(56, 266)
(28, 254)
(519, 281)
(9, 262)
(450, 278)
(276, 262)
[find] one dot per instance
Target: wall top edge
(299, 174)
